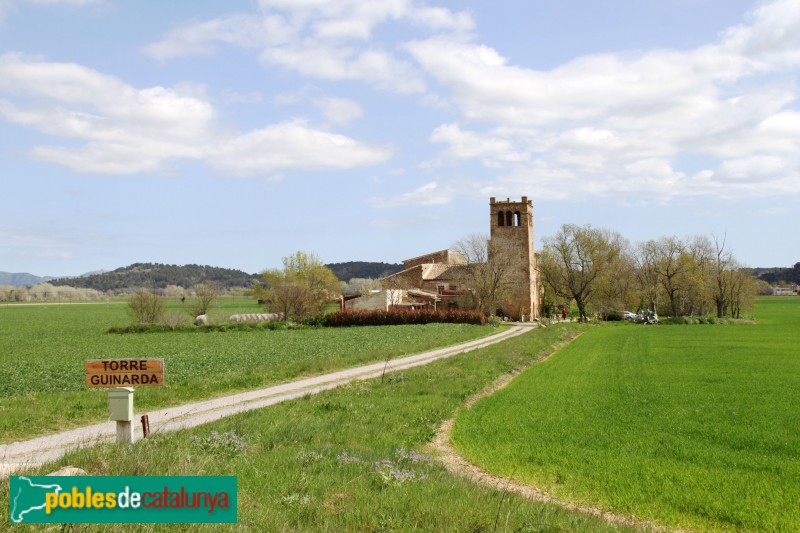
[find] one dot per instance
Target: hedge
(399, 318)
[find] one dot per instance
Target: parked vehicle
(648, 317)
(644, 316)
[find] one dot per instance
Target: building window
(500, 218)
(509, 222)
(517, 219)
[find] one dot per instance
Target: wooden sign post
(124, 372)
(119, 376)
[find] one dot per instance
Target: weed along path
(30, 453)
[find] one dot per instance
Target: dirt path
(456, 464)
(20, 455)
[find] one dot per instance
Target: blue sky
(235, 133)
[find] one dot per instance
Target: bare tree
(646, 256)
(204, 296)
(742, 289)
(734, 287)
(494, 273)
(396, 285)
(722, 263)
(146, 307)
(670, 264)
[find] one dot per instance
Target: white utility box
(120, 404)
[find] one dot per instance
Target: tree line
(779, 276)
(363, 269)
(603, 273)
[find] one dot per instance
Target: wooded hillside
(160, 276)
(363, 269)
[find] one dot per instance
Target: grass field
(353, 459)
(689, 426)
(43, 348)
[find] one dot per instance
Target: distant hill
(363, 269)
(186, 276)
(776, 274)
(148, 275)
(20, 278)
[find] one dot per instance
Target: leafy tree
(618, 289)
(578, 261)
(742, 289)
(300, 289)
(670, 265)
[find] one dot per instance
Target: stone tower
(512, 223)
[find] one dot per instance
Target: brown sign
(124, 372)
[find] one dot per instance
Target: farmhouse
(786, 291)
(439, 279)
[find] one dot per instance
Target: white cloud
(771, 39)
(326, 39)
(346, 63)
(120, 129)
(339, 111)
(618, 123)
(293, 145)
(428, 194)
(759, 167)
(247, 31)
(441, 19)
(492, 148)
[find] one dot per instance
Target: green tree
(579, 262)
(742, 290)
(301, 288)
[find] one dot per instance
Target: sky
(235, 133)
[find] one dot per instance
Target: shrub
(614, 316)
(204, 296)
(146, 308)
(398, 318)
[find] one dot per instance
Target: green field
(351, 459)
(43, 348)
(689, 426)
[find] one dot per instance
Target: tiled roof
(425, 294)
(433, 270)
(450, 273)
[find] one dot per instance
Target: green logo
(122, 499)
